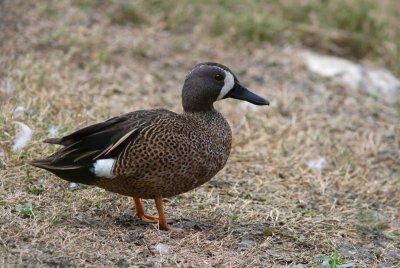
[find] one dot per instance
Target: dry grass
(71, 66)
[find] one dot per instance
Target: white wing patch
(229, 82)
(103, 168)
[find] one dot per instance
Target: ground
(64, 66)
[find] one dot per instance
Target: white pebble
(317, 164)
(162, 248)
(73, 185)
(19, 109)
(9, 87)
(247, 243)
(53, 131)
(22, 137)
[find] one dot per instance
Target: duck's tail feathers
(53, 141)
(72, 173)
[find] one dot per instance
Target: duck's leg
(162, 220)
(139, 212)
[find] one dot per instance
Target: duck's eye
(219, 77)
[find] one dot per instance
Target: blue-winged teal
(155, 153)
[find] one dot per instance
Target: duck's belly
(166, 173)
(151, 187)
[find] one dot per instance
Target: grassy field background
(65, 64)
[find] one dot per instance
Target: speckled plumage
(155, 153)
(173, 154)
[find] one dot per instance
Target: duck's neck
(198, 108)
(200, 111)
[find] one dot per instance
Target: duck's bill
(241, 93)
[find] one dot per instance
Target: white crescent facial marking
(229, 82)
(103, 168)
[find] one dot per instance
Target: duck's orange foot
(166, 227)
(146, 218)
(175, 231)
(163, 222)
(139, 212)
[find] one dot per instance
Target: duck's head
(209, 82)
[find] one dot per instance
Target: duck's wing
(105, 140)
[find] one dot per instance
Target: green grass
(350, 26)
(36, 190)
(369, 221)
(25, 211)
(355, 29)
(140, 49)
(333, 261)
(126, 12)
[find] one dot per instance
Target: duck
(155, 153)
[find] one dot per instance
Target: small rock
(301, 204)
(8, 87)
(135, 236)
(382, 83)
(218, 184)
(19, 109)
(123, 263)
(73, 186)
(53, 131)
(379, 82)
(162, 248)
(215, 183)
(245, 244)
(40, 182)
(258, 169)
(22, 137)
(329, 66)
(317, 164)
